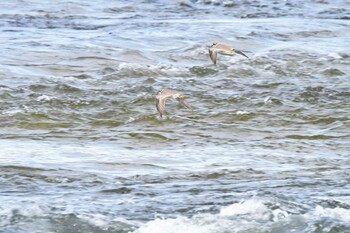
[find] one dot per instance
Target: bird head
(160, 92)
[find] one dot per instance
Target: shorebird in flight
(166, 93)
(224, 50)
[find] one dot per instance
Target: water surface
(265, 149)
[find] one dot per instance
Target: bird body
(164, 94)
(217, 48)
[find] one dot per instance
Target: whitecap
(177, 225)
(255, 208)
(242, 112)
(98, 220)
(267, 99)
(44, 98)
(9, 213)
(12, 112)
(336, 213)
(131, 119)
(151, 70)
(249, 215)
(335, 55)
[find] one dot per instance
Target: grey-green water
(265, 149)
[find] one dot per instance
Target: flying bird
(165, 94)
(224, 50)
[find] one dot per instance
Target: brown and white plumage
(165, 94)
(224, 50)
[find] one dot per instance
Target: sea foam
(246, 215)
(242, 216)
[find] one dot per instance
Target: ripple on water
(202, 71)
(314, 137)
(29, 175)
(332, 72)
(150, 136)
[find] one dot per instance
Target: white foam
(7, 213)
(169, 70)
(246, 215)
(160, 68)
(98, 220)
(201, 223)
(335, 55)
(242, 112)
(128, 66)
(336, 213)
(44, 98)
(255, 208)
(180, 224)
(11, 112)
(267, 99)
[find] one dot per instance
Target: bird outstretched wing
(160, 104)
(240, 52)
(213, 55)
(184, 103)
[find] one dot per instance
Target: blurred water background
(265, 149)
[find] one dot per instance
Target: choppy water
(266, 148)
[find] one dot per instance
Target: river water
(266, 147)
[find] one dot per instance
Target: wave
(140, 70)
(315, 137)
(29, 217)
(253, 215)
(263, 8)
